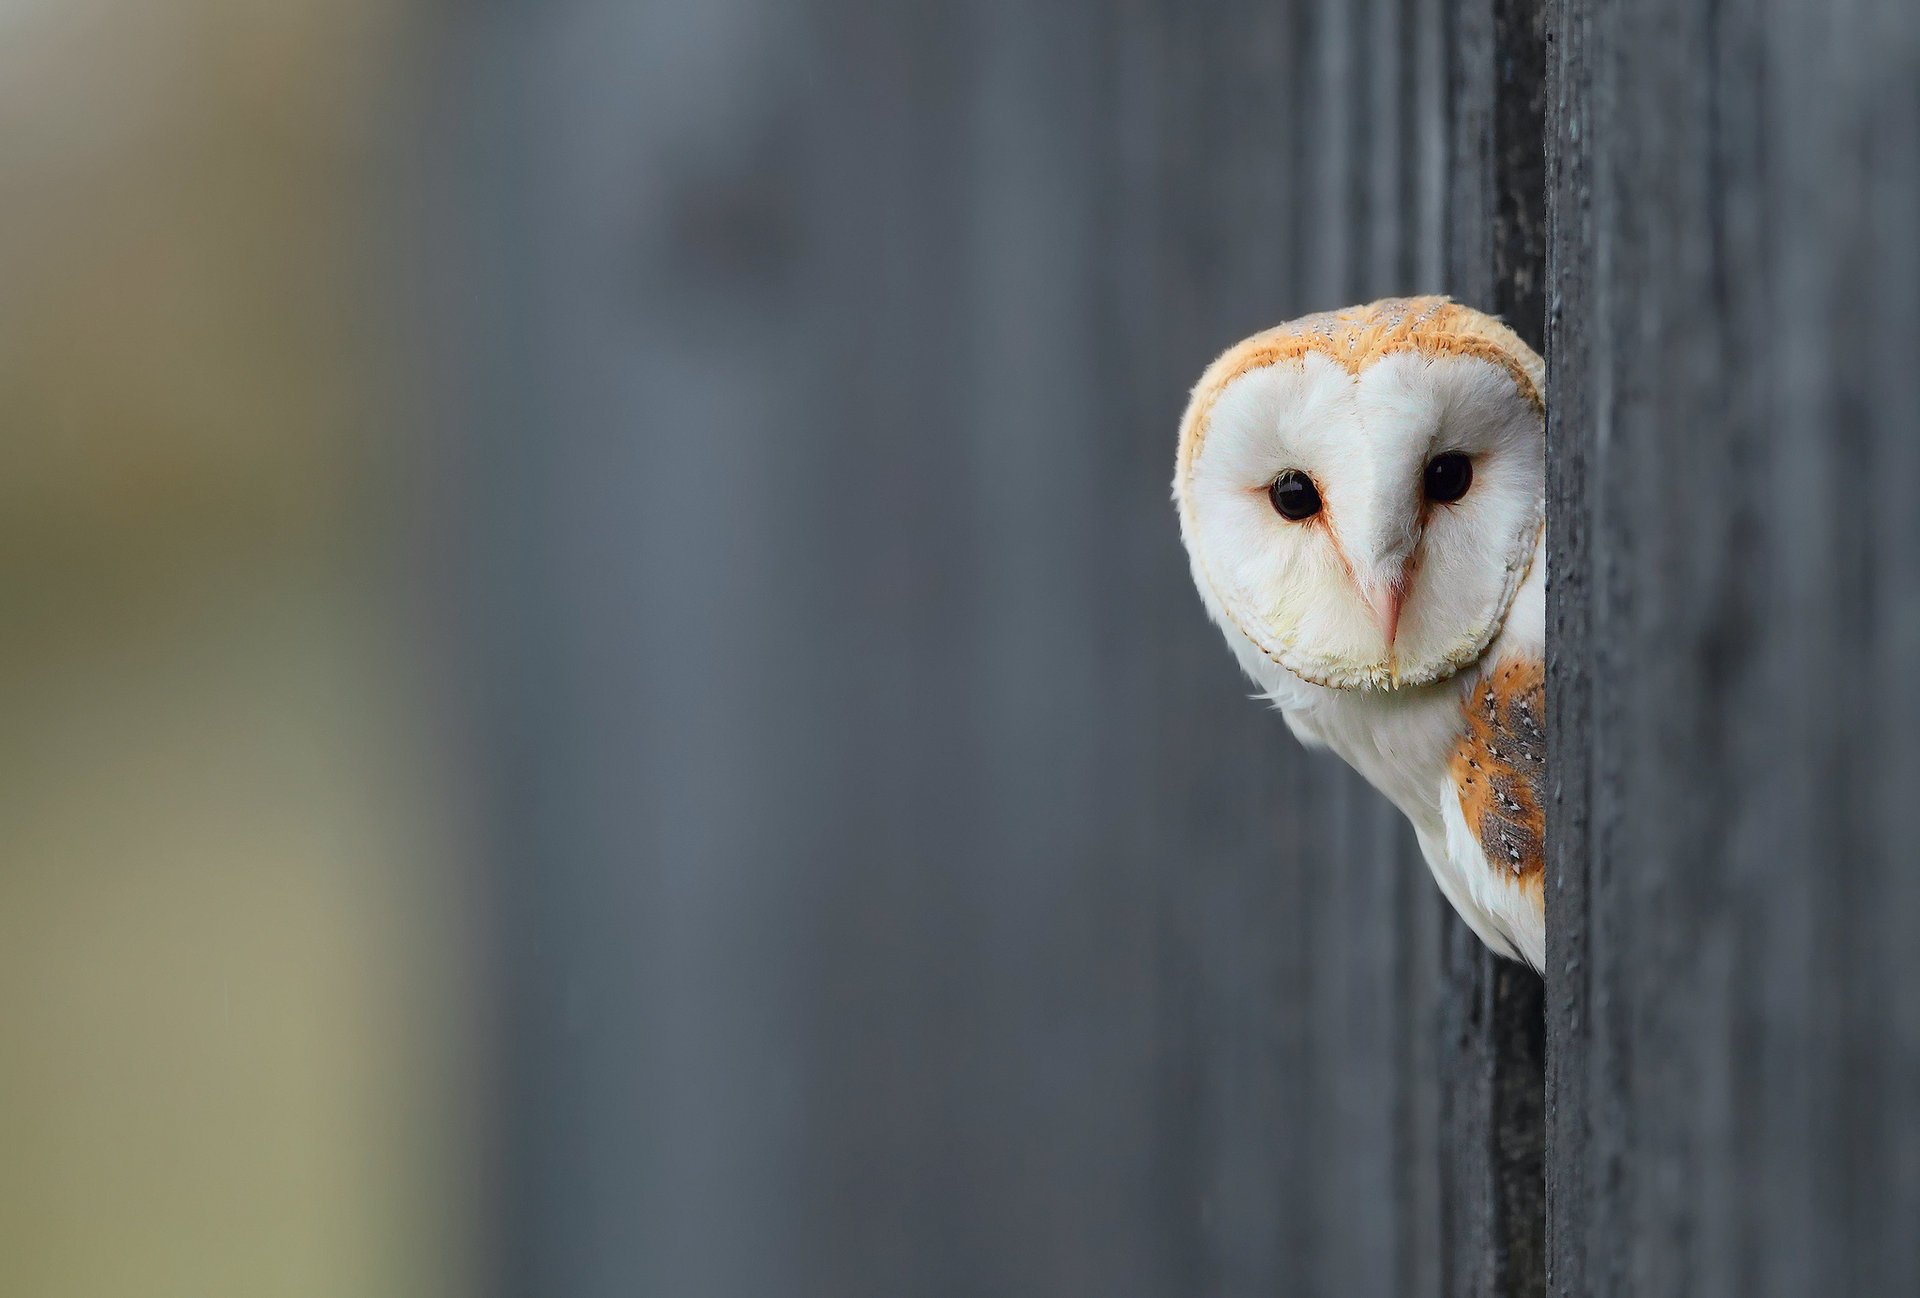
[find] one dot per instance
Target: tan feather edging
(1360, 336)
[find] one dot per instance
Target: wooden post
(1734, 945)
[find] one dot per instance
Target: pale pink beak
(1386, 610)
(1385, 601)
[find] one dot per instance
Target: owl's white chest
(1400, 743)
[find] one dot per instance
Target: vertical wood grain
(1733, 959)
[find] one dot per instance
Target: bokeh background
(600, 690)
(237, 994)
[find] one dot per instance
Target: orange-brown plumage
(1499, 765)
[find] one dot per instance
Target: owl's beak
(1385, 598)
(1385, 604)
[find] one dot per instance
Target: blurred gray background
(899, 892)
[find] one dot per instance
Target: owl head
(1362, 491)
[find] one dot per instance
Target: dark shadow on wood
(1494, 1133)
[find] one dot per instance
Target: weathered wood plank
(1736, 1038)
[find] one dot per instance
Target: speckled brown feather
(1499, 768)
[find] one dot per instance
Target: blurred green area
(236, 1044)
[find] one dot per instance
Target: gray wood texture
(1496, 260)
(1734, 904)
(897, 892)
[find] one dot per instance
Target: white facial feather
(1304, 594)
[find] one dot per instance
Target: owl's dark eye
(1294, 496)
(1448, 477)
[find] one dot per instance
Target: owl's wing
(1494, 808)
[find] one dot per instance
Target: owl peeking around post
(1362, 497)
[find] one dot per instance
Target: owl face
(1361, 494)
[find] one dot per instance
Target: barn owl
(1362, 498)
